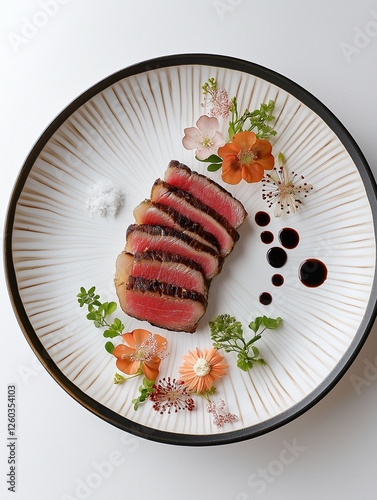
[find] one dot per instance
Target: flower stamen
(284, 189)
(171, 395)
(202, 367)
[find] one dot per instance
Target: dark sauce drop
(277, 279)
(312, 273)
(289, 237)
(265, 298)
(277, 257)
(267, 237)
(262, 218)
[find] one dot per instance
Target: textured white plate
(125, 130)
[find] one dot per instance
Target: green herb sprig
(98, 312)
(145, 390)
(227, 334)
(258, 120)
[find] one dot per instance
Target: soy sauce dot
(262, 218)
(312, 273)
(277, 279)
(265, 298)
(276, 257)
(289, 237)
(267, 237)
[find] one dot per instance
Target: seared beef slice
(207, 191)
(175, 248)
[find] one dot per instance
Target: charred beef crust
(162, 256)
(187, 224)
(143, 285)
(194, 202)
(155, 230)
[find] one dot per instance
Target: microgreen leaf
(119, 379)
(98, 312)
(214, 167)
(109, 346)
(145, 390)
(256, 120)
(227, 334)
(211, 159)
(254, 325)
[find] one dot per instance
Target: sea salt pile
(105, 199)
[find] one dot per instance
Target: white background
(64, 452)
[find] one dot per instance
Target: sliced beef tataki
(141, 237)
(207, 191)
(164, 305)
(149, 212)
(193, 209)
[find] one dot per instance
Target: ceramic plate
(124, 131)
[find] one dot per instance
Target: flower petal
(253, 172)
(263, 150)
(207, 125)
(192, 138)
(151, 368)
(245, 140)
(267, 163)
(162, 343)
(140, 335)
(262, 147)
(204, 152)
(228, 149)
(218, 140)
(129, 339)
(231, 170)
(127, 366)
(123, 351)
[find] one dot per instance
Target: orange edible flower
(201, 369)
(143, 351)
(245, 157)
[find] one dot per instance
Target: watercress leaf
(92, 315)
(109, 346)
(119, 379)
(260, 361)
(91, 290)
(255, 325)
(211, 159)
(244, 362)
(110, 333)
(135, 403)
(110, 308)
(255, 351)
(214, 167)
(117, 324)
(271, 323)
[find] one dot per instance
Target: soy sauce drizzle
(312, 273)
(277, 279)
(277, 257)
(265, 298)
(262, 218)
(266, 237)
(289, 237)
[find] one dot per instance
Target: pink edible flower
(205, 137)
